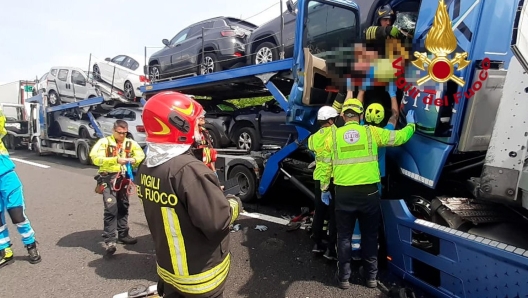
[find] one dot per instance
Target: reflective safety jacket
(189, 218)
(209, 153)
(6, 164)
(353, 150)
(316, 145)
(106, 151)
(3, 133)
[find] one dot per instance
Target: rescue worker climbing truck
(112, 155)
(187, 213)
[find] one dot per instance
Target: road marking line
(30, 163)
(268, 218)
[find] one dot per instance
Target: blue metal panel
(218, 77)
(422, 156)
(272, 164)
(271, 168)
(35, 99)
(78, 104)
(95, 125)
(470, 266)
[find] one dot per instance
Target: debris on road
(236, 228)
(261, 228)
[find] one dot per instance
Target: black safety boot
(111, 248)
(342, 284)
(318, 248)
(126, 240)
(331, 254)
(6, 257)
(34, 255)
(370, 283)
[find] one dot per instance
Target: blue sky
(34, 37)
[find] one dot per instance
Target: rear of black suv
(205, 47)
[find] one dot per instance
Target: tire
(128, 90)
(246, 180)
(211, 64)
(246, 138)
(35, 147)
(96, 73)
(83, 153)
(83, 133)
(10, 142)
(154, 73)
(53, 98)
(264, 52)
(215, 138)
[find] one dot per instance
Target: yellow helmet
(353, 104)
(375, 113)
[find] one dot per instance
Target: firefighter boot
(126, 240)
(34, 255)
(6, 257)
(331, 253)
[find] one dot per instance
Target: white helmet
(326, 112)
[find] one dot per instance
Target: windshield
(328, 27)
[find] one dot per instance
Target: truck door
(78, 81)
(321, 27)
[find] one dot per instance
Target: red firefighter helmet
(171, 117)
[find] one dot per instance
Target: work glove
(394, 31)
(326, 197)
(236, 199)
(410, 117)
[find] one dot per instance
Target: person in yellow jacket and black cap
(353, 150)
(187, 213)
(113, 155)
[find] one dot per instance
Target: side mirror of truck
(291, 7)
(165, 42)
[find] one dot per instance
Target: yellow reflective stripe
(369, 140)
(355, 160)
(175, 241)
(334, 139)
(392, 138)
(234, 207)
(323, 159)
(198, 283)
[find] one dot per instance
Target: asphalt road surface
(67, 217)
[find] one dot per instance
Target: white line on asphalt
(273, 219)
(30, 163)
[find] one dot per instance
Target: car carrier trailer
(42, 137)
(455, 209)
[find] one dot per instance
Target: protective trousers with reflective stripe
(355, 156)
(181, 280)
(12, 202)
(316, 145)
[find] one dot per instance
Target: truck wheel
(35, 147)
(246, 180)
(83, 153)
(10, 142)
(246, 138)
